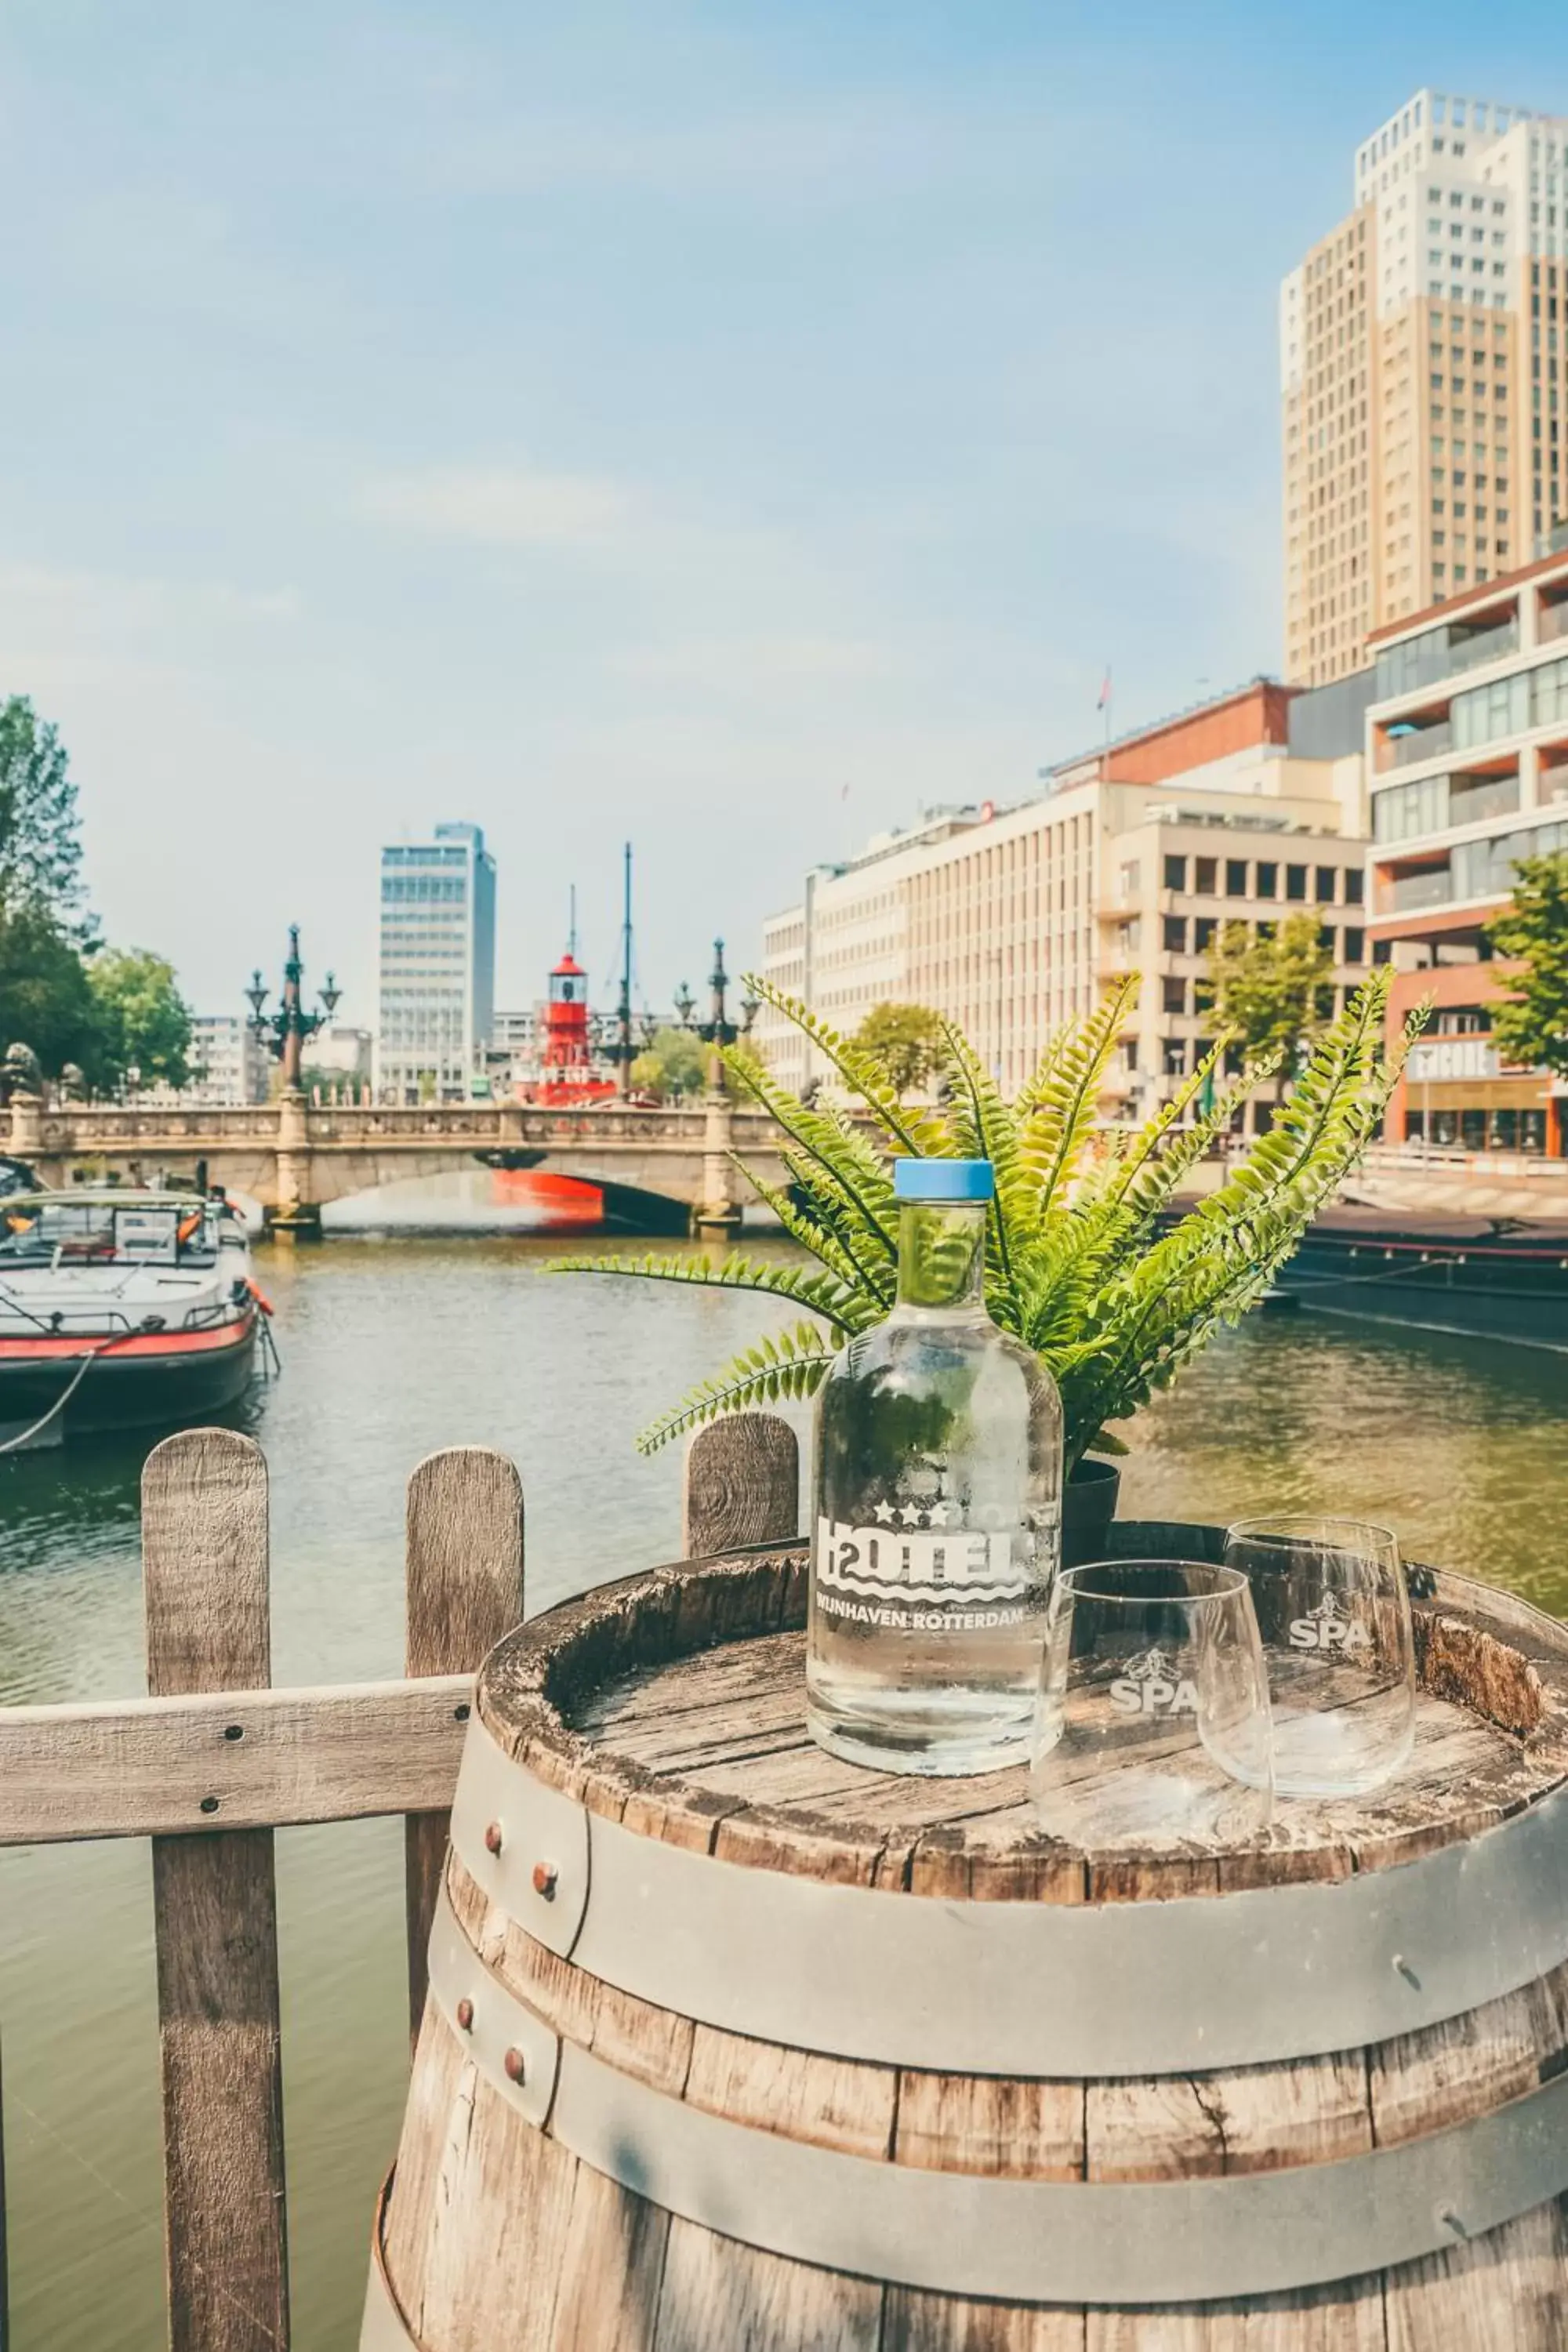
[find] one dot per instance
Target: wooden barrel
(731, 2045)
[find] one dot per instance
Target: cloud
(502, 506)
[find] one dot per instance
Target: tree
(906, 1040)
(45, 998)
(676, 1064)
(1531, 1026)
(142, 1021)
(40, 832)
(1272, 990)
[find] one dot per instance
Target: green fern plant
(1082, 1263)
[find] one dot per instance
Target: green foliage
(44, 999)
(141, 1022)
(1083, 1264)
(907, 1040)
(675, 1064)
(40, 833)
(1272, 992)
(1532, 1025)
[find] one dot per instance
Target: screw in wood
(466, 2015)
(545, 1876)
(492, 1838)
(515, 2065)
(209, 1804)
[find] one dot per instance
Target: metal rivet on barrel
(515, 2065)
(545, 1878)
(492, 1838)
(1451, 2221)
(1403, 1967)
(466, 2015)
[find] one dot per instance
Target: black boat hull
(137, 1388)
(1499, 1289)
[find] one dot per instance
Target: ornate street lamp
(685, 1004)
(284, 1032)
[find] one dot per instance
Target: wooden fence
(215, 1759)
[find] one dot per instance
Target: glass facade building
(437, 966)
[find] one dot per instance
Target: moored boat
(1471, 1277)
(120, 1309)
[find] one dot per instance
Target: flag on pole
(1104, 702)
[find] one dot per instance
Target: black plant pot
(1088, 1505)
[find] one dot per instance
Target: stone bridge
(659, 1171)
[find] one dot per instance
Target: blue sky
(640, 419)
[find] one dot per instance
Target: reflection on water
(392, 1348)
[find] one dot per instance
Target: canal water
(393, 1346)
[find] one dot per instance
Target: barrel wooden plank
(205, 1555)
(913, 2321)
(610, 2279)
(464, 1577)
(1503, 2293)
(717, 2292)
(741, 1485)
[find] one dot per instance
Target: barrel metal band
(1031, 1988)
(384, 2328)
(1020, 2241)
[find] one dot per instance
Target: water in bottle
(938, 1508)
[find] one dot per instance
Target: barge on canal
(122, 1309)
(1470, 1276)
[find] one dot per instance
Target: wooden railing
(215, 1759)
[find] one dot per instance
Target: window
(1267, 879)
(1326, 937)
(1174, 934)
(1327, 877)
(1175, 873)
(1203, 929)
(1485, 712)
(1129, 877)
(1235, 878)
(1175, 1050)
(1173, 995)
(1207, 883)
(1295, 882)
(1355, 945)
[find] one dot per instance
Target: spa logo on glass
(1329, 1626)
(1151, 1684)
(917, 1569)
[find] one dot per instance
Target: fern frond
(1053, 1137)
(984, 1128)
(840, 1305)
(873, 1282)
(792, 1364)
(920, 1132)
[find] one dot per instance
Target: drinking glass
(1334, 1614)
(1152, 1724)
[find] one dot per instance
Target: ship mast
(624, 1004)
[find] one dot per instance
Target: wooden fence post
(204, 1567)
(465, 1588)
(741, 1485)
(4, 2275)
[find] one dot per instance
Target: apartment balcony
(1484, 646)
(1553, 622)
(1408, 894)
(1405, 751)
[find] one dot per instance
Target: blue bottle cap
(943, 1179)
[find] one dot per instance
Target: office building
(1467, 766)
(1424, 373)
(228, 1061)
(437, 966)
(1014, 922)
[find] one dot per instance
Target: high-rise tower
(1424, 370)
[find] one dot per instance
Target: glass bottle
(937, 1527)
